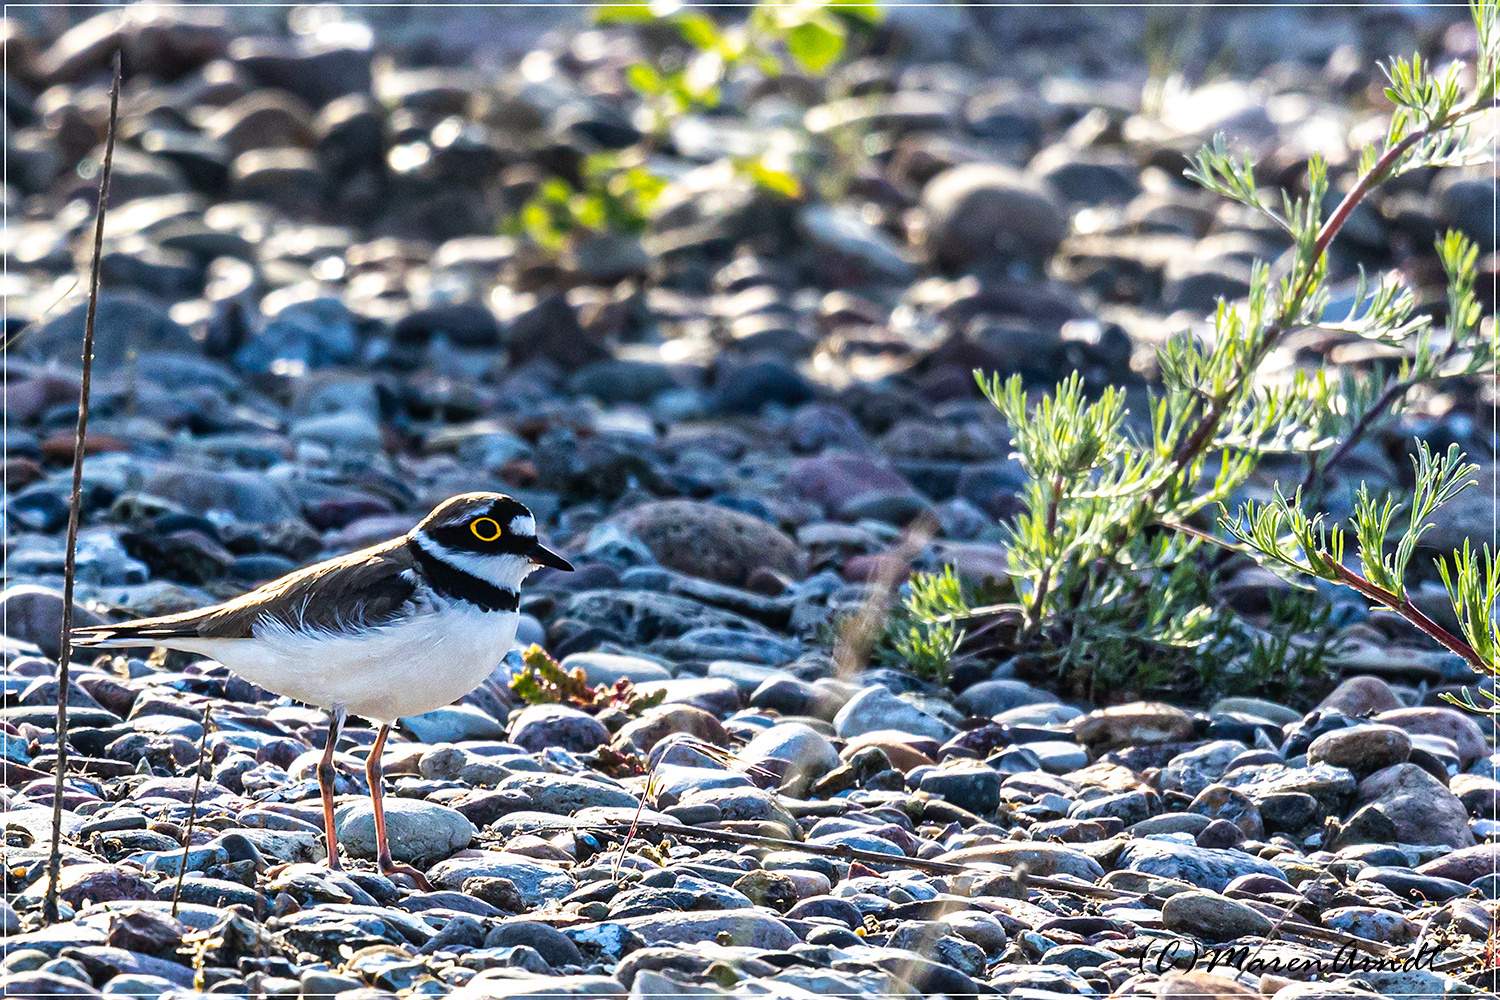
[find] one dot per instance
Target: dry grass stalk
(862, 631)
(187, 838)
(54, 857)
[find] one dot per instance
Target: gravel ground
(310, 334)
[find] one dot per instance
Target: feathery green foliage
(1280, 534)
(921, 635)
(1103, 557)
(1472, 591)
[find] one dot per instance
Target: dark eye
(486, 529)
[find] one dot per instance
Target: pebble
(1211, 868)
(532, 880)
(988, 211)
(541, 726)
(454, 724)
(607, 668)
(1362, 697)
(420, 833)
(875, 708)
(1193, 771)
(711, 541)
(1212, 916)
(1417, 805)
(1443, 722)
(1361, 749)
(1132, 725)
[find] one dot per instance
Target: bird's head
(497, 529)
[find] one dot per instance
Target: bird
(397, 629)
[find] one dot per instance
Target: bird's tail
(117, 636)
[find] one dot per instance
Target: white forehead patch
(524, 525)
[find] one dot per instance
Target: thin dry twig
(54, 857)
(187, 838)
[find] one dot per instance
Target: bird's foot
(389, 868)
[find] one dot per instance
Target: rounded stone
(990, 698)
(991, 214)
(1212, 916)
(1361, 749)
(1371, 923)
(898, 748)
(1447, 723)
(606, 668)
(656, 724)
(1195, 770)
(34, 614)
(710, 541)
(555, 947)
(1219, 802)
(875, 708)
(830, 907)
(420, 833)
(797, 743)
(1132, 725)
(1421, 809)
(1288, 812)
(966, 784)
(1220, 834)
(1362, 696)
(541, 726)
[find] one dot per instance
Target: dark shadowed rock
(34, 614)
(711, 541)
(125, 321)
(1421, 809)
(988, 215)
(550, 330)
(541, 726)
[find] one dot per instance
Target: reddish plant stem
(1198, 441)
(1367, 590)
(1411, 613)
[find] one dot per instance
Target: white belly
(405, 669)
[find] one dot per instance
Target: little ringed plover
(397, 629)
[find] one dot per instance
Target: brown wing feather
(360, 590)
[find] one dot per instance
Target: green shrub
(1107, 557)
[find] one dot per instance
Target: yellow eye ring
(479, 533)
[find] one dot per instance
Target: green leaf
(698, 30)
(857, 10)
(556, 190)
(638, 186)
(589, 210)
(776, 181)
(623, 13)
(540, 225)
(644, 79)
(816, 44)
